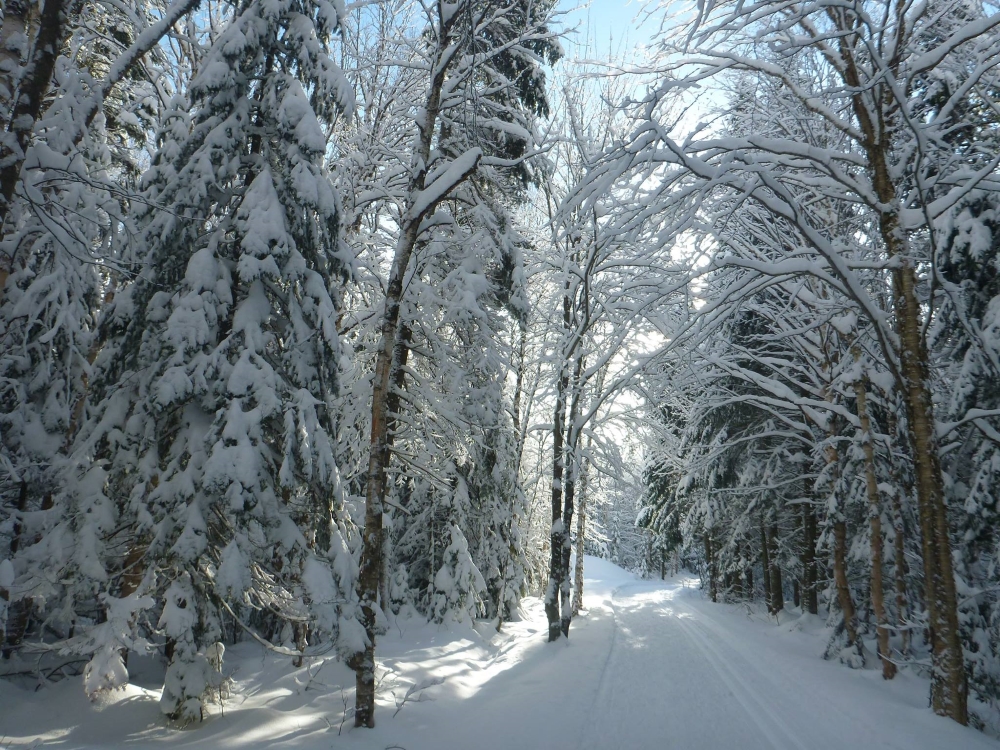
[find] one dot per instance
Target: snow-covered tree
(220, 362)
(888, 158)
(471, 136)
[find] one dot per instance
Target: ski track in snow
(685, 673)
(651, 665)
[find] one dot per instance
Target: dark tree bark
(569, 496)
(581, 538)
(713, 586)
(777, 586)
(809, 573)
(559, 533)
(34, 85)
(765, 563)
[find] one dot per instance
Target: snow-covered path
(655, 665)
(679, 675)
(651, 665)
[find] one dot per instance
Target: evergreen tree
(219, 370)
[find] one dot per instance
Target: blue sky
(609, 24)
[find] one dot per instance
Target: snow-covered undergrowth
(436, 682)
(637, 645)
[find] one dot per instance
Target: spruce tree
(219, 368)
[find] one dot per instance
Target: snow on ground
(651, 665)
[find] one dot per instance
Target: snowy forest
(325, 319)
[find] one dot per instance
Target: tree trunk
(840, 580)
(949, 691)
(765, 563)
(581, 535)
(385, 403)
(558, 610)
(713, 586)
(569, 496)
(810, 597)
(841, 583)
(558, 533)
(363, 662)
(875, 519)
(34, 84)
(899, 549)
(777, 587)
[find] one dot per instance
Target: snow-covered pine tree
(966, 339)
(219, 366)
(64, 236)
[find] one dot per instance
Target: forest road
(684, 673)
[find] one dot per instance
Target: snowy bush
(458, 584)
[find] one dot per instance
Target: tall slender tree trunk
(581, 535)
(713, 585)
(809, 574)
(840, 579)
(417, 207)
(777, 587)
(569, 496)
(379, 449)
(581, 523)
(900, 570)
(558, 611)
(565, 552)
(765, 563)
(558, 533)
(875, 519)
(949, 690)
